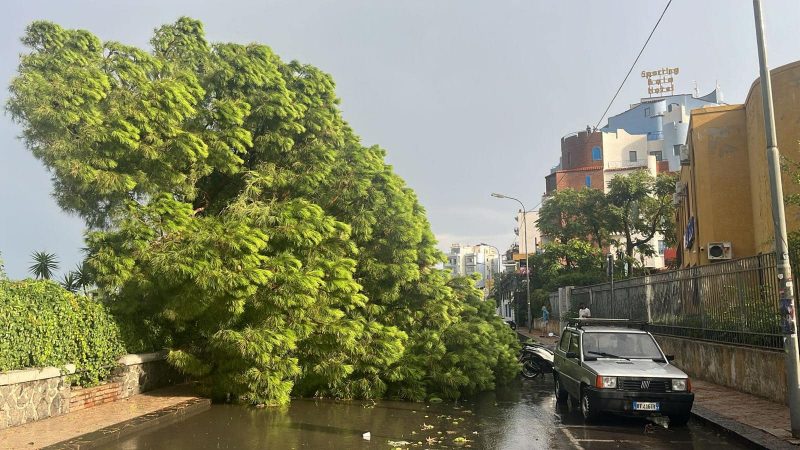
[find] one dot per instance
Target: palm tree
(70, 282)
(44, 264)
(83, 278)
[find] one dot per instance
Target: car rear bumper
(618, 401)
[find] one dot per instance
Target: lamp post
(527, 251)
(784, 269)
(498, 258)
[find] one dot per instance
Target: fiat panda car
(615, 366)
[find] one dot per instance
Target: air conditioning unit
(685, 155)
(718, 251)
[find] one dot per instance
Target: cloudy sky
(468, 97)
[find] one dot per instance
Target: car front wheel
(588, 409)
(561, 394)
(679, 420)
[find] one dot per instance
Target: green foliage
(45, 325)
(641, 206)
(237, 220)
(44, 265)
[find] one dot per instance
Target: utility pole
(785, 285)
(527, 251)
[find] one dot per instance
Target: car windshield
(622, 345)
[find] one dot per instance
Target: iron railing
(734, 302)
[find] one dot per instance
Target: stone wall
(755, 371)
(35, 394)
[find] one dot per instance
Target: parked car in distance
(614, 366)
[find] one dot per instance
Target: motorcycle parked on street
(536, 360)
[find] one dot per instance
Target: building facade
(648, 136)
(463, 260)
(723, 197)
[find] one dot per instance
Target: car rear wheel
(561, 394)
(588, 409)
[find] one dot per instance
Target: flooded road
(523, 416)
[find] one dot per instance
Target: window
(597, 155)
(662, 246)
(647, 112)
(574, 344)
(588, 181)
(564, 344)
(676, 149)
(632, 156)
(659, 156)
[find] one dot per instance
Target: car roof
(600, 329)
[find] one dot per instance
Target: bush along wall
(45, 325)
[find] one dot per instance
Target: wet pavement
(523, 416)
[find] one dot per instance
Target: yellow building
(723, 196)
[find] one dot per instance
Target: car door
(571, 367)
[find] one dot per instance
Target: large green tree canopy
(236, 219)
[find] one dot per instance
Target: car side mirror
(670, 357)
(572, 355)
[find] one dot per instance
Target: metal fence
(734, 302)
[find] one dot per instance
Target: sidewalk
(107, 420)
(536, 335)
(761, 422)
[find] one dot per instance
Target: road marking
(572, 439)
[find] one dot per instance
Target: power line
(634, 63)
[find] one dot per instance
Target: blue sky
(467, 97)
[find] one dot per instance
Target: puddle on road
(522, 416)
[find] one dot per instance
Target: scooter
(536, 360)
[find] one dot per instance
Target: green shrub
(45, 325)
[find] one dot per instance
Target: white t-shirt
(584, 313)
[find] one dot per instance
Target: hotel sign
(660, 81)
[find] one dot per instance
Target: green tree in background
(43, 265)
(641, 206)
(236, 219)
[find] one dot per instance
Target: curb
(137, 424)
(745, 433)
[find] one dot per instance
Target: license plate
(646, 406)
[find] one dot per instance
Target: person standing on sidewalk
(545, 318)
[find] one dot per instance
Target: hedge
(45, 325)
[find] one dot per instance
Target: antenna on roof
(696, 89)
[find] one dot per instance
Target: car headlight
(606, 382)
(680, 384)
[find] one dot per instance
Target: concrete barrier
(752, 370)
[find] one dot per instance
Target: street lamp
(527, 251)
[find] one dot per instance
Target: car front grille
(645, 385)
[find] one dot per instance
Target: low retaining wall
(35, 394)
(755, 371)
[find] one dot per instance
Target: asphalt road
(522, 416)
(537, 404)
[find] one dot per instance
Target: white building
(526, 225)
(468, 259)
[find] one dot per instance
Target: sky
(468, 97)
